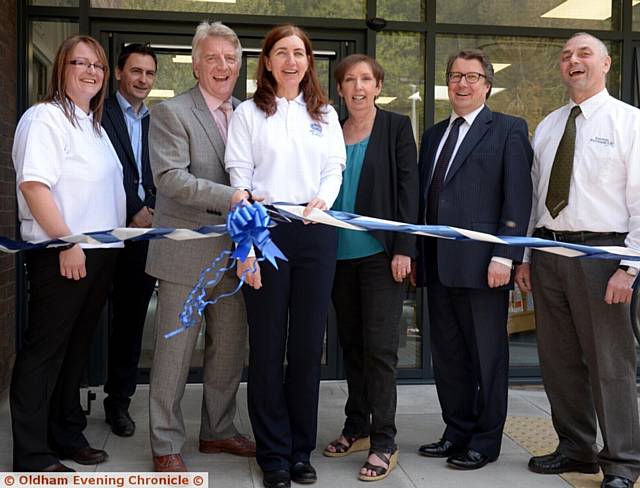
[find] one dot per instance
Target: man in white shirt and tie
(586, 190)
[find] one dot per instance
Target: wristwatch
(631, 271)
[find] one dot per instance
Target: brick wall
(8, 93)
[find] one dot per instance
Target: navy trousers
(288, 315)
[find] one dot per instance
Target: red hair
(267, 87)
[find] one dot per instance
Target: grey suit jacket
(186, 154)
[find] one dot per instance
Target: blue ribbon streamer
(247, 225)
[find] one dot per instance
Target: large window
(45, 37)
(527, 81)
(563, 14)
(408, 10)
(353, 9)
(402, 56)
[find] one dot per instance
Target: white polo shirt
(79, 166)
(288, 157)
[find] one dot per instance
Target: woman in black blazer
(381, 180)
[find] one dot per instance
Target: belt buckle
(554, 236)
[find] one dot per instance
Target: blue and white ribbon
(351, 221)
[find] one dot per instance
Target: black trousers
(132, 290)
(470, 353)
(368, 305)
(289, 313)
(46, 414)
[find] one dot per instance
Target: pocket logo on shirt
(316, 129)
(602, 140)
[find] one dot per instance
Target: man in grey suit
(187, 143)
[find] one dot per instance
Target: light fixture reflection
(582, 10)
(158, 93)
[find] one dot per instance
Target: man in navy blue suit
(126, 121)
(474, 174)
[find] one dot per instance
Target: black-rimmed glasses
(471, 77)
(84, 63)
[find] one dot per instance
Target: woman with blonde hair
(69, 181)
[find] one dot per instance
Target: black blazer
(116, 128)
(388, 187)
(488, 189)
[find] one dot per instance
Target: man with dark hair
(587, 190)
(126, 121)
(474, 174)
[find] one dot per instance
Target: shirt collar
(469, 118)
(128, 108)
(212, 101)
(299, 99)
(590, 105)
(81, 114)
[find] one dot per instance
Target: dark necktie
(560, 178)
(440, 171)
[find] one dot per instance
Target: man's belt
(575, 237)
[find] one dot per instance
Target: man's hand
(253, 279)
(400, 267)
(72, 263)
(143, 218)
(619, 288)
(523, 277)
(498, 274)
(237, 197)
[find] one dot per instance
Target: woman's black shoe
(304, 473)
(276, 479)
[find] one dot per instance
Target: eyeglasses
(85, 64)
(471, 77)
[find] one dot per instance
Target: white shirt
(463, 130)
(80, 167)
(604, 195)
(288, 157)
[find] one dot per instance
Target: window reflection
(354, 9)
(566, 14)
(44, 39)
(527, 82)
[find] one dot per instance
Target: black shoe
(85, 455)
(441, 449)
(611, 481)
(469, 459)
(117, 416)
(556, 463)
(276, 479)
(304, 473)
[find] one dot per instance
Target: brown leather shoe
(171, 463)
(85, 455)
(237, 445)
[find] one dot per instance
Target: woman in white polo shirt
(286, 144)
(69, 180)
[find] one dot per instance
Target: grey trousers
(224, 353)
(588, 361)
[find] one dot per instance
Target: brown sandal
(389, 458)
(354, 444)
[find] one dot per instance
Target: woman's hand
(318, 203)
(253, 279)
(400, 267)
(72, 263)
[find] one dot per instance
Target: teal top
(352, 243)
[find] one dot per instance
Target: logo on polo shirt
(316, 129)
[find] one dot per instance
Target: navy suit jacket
(388, 186)
(487, 189)
(116, 128)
